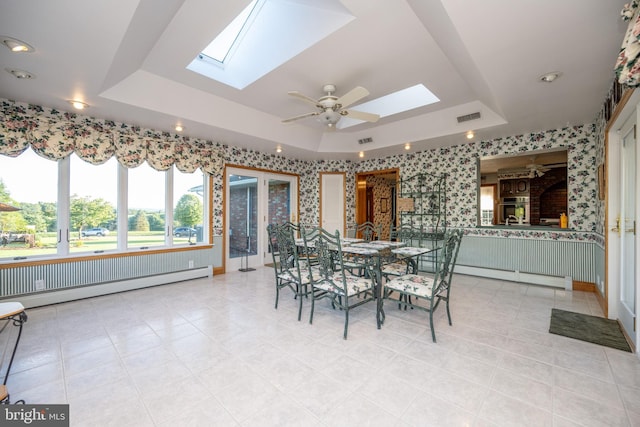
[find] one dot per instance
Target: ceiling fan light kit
(329, 117)
(331, 108)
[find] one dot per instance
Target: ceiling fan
(331, 108)
(536, 170)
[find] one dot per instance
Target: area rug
(597, 330)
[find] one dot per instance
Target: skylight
(248, 53)
(394, 103)
(220, 48)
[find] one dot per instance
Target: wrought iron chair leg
(18, 320)
(433, 332)
(346, 322)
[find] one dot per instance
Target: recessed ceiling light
(407, 146)
(470, 134)
(78, 105)
(17, 46)
(361, 154)
(20, 74)
(278, 149)
(550, 77)
(179, 128)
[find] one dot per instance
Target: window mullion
(64, 201)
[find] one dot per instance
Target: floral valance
(55, 134)
(627, 66)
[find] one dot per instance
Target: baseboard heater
(517, 276)
(106, 288)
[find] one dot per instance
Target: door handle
(632, 229)
(616, 229)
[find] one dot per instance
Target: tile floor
(215, 352)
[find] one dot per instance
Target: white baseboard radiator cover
(553, 263)
(47, 284)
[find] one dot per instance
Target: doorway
(376, 199)
(253, 200)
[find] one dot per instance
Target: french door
(626, 227)
(253, 200)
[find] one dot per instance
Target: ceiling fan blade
(302, 116)
(355, 95)
(303, 97)
(361, 115)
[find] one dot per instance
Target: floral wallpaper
(381, 188)
(55, 134)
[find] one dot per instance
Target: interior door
(626, 225)
(254, 199)
(332, 201)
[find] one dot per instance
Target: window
(72, 207)
(146, 203)
(188, 211)
(93, 206)
(28, 182)
(486, 205)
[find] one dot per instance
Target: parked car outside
(98, 231)
(184, 231)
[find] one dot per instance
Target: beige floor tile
(214, 351)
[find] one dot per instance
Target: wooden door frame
(361, 190)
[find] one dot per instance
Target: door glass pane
(243, 215)
(146, 200)
(93, 208)
(188, 209)
(28, 182)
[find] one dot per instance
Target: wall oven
(513, 206)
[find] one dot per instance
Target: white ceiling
(127, 60)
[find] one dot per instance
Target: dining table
(377, 254)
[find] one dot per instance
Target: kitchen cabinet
(514, 187)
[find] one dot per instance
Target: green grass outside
(47, 243)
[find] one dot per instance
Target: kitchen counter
(517, 226)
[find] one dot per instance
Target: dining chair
(409, 235)
(412, 288)
(332, 280)
(11, 313)
(367, 231)
(290, 271)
